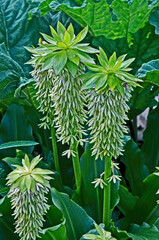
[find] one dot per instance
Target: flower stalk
(107, 193)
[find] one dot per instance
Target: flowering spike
(28, 186)
(111, 88)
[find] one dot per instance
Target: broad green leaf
(151, 141)
(14, 127)
(71, 212)
(59, 61)
(136, 171)
(150, 72)
(127, 200)
(100, 22)
(17, 144)
(154, 20)
(10, 73)
(143, 232)
(56, 232)
(144, 207)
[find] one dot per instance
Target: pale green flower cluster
(44, 85)
(28, 186)
(69, 103)
(107, 111)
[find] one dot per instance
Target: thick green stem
(107, 192)
(97, 195)
(76, 165)
(54, 148)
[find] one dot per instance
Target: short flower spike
(28, 186)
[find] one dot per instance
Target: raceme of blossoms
(64, 55)
(28, 186)
(111, 87)
(44, 85)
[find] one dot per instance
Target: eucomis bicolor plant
(110, 87)
(61, 59)
(28, 187)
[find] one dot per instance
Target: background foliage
(130, 26)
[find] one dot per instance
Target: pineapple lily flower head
(28, 186)
(62, 50)
(27, 176)
(112, 73)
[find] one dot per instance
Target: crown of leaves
(25, 177)
(112, 73)
(62, 50)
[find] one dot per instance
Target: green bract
(28, 186)
(112, 73)
(62, 50)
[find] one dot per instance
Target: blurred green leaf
(17, 144)
(151, 140)
(144, 232)
(154, 20)
(136, 171)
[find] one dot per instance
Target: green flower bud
(28, 186)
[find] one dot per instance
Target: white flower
(114, 178)
(99, 182)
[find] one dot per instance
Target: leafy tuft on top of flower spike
(112, 73)
(62, 50)
(25, 177)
